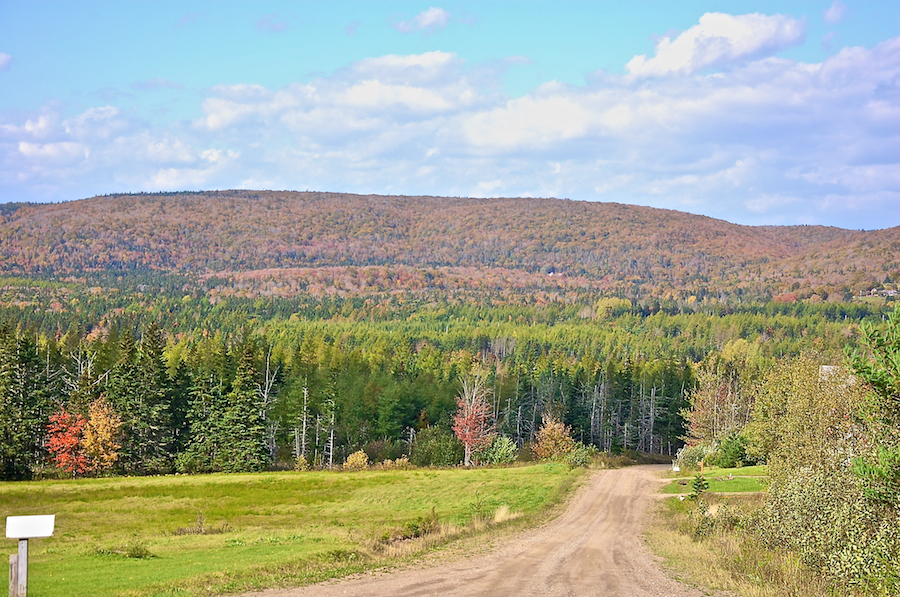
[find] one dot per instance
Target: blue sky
(754, 112)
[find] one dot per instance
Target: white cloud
(764, 204)
(486, 188)
(374, 94)
(860, 179)
(835, 13)
(766, 140)
(54, 152)
(5, 61)
(38, 128)
(419, 68)
(719, 40)
(163, 150)
(528, 122)
(100, 123)
(428, 21)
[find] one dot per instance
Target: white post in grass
(24, 528)
(13, 574)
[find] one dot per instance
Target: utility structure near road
(24, 528)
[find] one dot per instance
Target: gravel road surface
(594, 548)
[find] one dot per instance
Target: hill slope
(622, 248)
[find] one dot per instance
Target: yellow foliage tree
(553, 440)
(358, 461)
(101, 435)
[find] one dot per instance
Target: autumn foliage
(553, 440)
(617, 247)
(102, 435)
(64, 441)
(472, 421)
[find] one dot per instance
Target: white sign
(29, 527)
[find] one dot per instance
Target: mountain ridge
(626, 249)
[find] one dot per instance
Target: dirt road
(594, 548)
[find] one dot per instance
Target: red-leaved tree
(471, 423)
(65, 441)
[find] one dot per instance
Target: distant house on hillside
(828, 372)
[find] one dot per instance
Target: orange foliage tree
(64, 441)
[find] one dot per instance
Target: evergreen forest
(243, 330)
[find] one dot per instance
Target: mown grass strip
(719, 485)
(145, 536)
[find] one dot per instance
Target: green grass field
(744, 480)
(121, 536)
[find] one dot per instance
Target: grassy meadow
(145, 536)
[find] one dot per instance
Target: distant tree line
(157, 383)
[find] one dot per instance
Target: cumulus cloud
(54, 152)
(96, 123)
(5, 61)
(720, 40)
(835, 13)
(427, 21)
(765, 140)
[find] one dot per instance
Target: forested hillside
(249, 237)
(241, 330)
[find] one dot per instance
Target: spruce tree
(24, 405)
(244, 419)
(125, 394)
(155, 419)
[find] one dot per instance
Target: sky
(757, 112)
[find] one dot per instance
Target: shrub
(806, 423)
(423, 525)
(581, 455)
(732, 451)
(301, 464)
(358, 461)
(436, 446)
(553, 440)
(401, 463)
(828, 521)
(719, 519)
(383, 449)
(689, 457)
(502, 450)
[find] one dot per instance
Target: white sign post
(24, 528)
